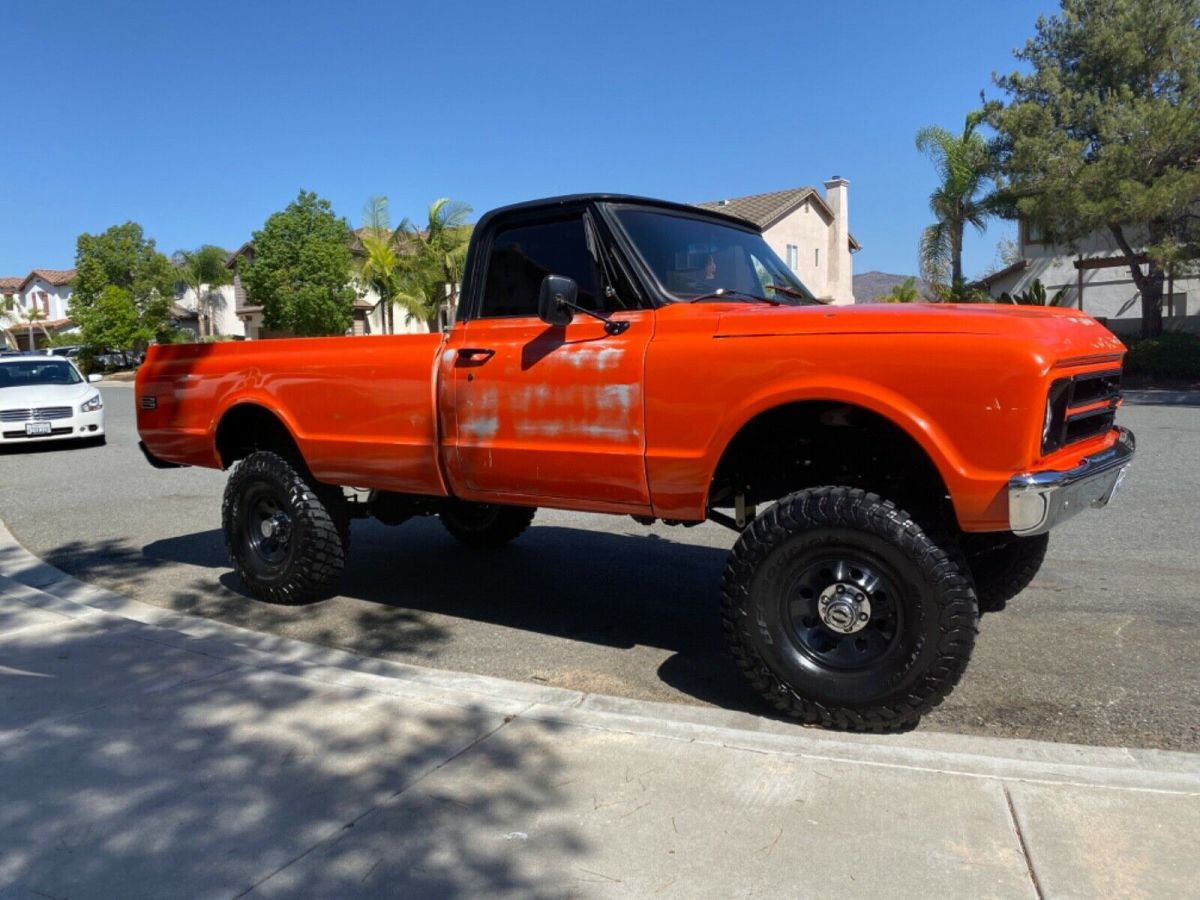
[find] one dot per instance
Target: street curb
(36, 584)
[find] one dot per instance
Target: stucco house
(46, 290)
(1096, 277)
(810, 233)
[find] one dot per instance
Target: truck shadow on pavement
(132, 768)
(405, 586)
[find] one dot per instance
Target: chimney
(841, 268)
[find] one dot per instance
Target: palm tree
(203, 270)
(379, 266)
(431, 266)
(905, 292)
(33, 316)
(966, 196)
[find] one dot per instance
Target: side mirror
(94, 377)
(556, 298)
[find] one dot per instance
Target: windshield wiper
(792, 292)
(722, 293)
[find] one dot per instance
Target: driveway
(1102, 649)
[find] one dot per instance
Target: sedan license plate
(32, 428)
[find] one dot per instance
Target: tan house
(810, 233)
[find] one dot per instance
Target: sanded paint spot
(483, 426)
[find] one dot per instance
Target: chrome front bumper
(1037, 501)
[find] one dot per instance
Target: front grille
(1082, 407)
(41, 414)
(53, 431)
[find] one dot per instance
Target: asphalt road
(1103, 649)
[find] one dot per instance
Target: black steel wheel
(485, 524)
(843, 612)
(287, 539)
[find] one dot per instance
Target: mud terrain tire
(818, 561)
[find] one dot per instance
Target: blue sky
(200, 121)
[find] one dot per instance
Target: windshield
(29, 372)
(700, 259)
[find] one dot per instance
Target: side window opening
(522, 255)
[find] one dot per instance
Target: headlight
(91, 404)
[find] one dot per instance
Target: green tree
(379, 267)
(113, 321)
(431, 266)
(203, 270)
(965, 196)
(1103, 133)
(301, 270)
(123, 257)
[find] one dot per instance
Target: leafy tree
(301, 270)
(1103, 133)
(123, 257)
(113, 321)
(203, 270)
(905, 292)
(379, 266)
(967, 170)
(433, 259)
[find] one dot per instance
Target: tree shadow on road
(200, 778)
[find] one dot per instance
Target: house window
(816, 256)
(45, 298)
(793, 256)
(1033, 233)
(1177, 304)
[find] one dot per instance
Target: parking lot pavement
(1100, 650)
(148, 753)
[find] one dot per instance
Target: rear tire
(287, 538)
(842, 612)
(485, 524)
(1004, 568)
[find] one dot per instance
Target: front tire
(485, 524)
(1002, 568)
(842, 612)
(287, 538)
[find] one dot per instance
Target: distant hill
(870, 285)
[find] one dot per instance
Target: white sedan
(45, 398)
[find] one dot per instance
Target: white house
(46, 290)
(220, 303)
(810, 233)
(1097, 280)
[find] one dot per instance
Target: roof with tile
(765, 210)
(57, 277)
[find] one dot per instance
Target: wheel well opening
(247, 428)
(802, 445)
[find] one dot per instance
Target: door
(548, 412)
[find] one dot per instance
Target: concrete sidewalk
(147, 754)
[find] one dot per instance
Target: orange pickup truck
(890, 469)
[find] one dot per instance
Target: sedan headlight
(91, 404)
